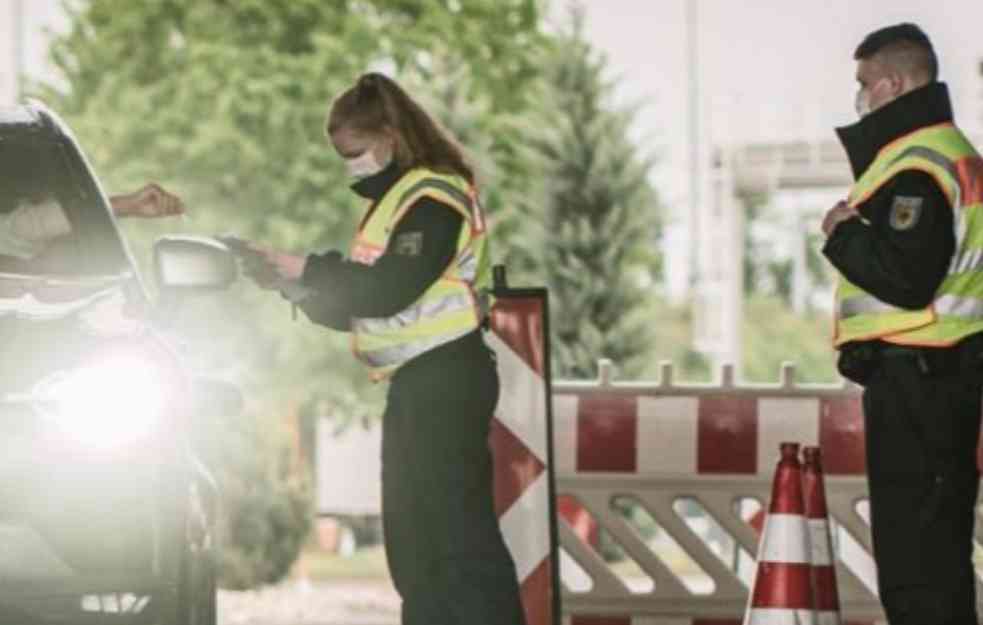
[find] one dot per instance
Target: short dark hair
(905, 46)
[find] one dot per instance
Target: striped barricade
(520, 442)
(695, 461)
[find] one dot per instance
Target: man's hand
(150, 201)
(836, 215)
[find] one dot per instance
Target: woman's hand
(272, 266)
(150, 201)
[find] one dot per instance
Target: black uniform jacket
(346, 289)
(899, 261)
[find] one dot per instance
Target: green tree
(773, 335)
(224, 102)
(596, 245)
(816, 264)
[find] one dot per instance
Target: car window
(51, 171)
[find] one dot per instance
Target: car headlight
(105, 405)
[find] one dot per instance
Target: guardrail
(661, 485)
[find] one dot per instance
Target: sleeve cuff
(841, 233)
(319, 267)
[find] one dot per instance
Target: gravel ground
(312, 603)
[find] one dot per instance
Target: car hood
(50, 326)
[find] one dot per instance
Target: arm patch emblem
(905, 212)
(408, 244)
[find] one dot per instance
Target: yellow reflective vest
(943, 152)
(453, 305)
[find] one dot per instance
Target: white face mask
(862, 104)
(862, 101)
(27, 231)
(365, 165)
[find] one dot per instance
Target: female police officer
(410, 293)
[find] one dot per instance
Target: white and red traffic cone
(782, 589)
(823, 564)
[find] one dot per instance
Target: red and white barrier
(705, 433)
(520, 442)
(665, 431)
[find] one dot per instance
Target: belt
(929, 359)
(891, 351)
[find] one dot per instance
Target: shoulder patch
(408, 244)
(905, 212)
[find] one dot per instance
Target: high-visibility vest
(454, 305)
(943, 152)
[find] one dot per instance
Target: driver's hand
(150, 201)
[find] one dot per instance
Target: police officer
(410, 293)
(908, 246)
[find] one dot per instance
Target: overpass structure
(801, 177)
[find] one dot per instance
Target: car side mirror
(184, 263)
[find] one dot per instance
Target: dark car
(106, 516)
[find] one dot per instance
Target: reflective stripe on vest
(451, 307)
(386, 360)
(944, 153)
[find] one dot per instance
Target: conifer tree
(597, 245)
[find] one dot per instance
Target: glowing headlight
(106, 405)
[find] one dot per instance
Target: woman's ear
(391, 136)
(397, 145)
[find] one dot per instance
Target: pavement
(349, 602)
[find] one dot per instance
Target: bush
(267, 508)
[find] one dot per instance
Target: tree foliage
(599, 228)
(224, 102)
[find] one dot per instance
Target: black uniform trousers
(445, 550)
(922, 428)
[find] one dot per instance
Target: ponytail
(376, 103)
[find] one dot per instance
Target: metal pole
(692, 61)
(981, 75)
(18, 24)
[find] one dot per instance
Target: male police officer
(908, 245)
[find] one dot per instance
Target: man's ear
(899, 84)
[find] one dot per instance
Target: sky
(769, 70)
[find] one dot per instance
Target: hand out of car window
(150, 201)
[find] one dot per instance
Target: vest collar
(374, 187)
(928, 106)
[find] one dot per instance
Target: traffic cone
(823, 567)
(782, 589)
